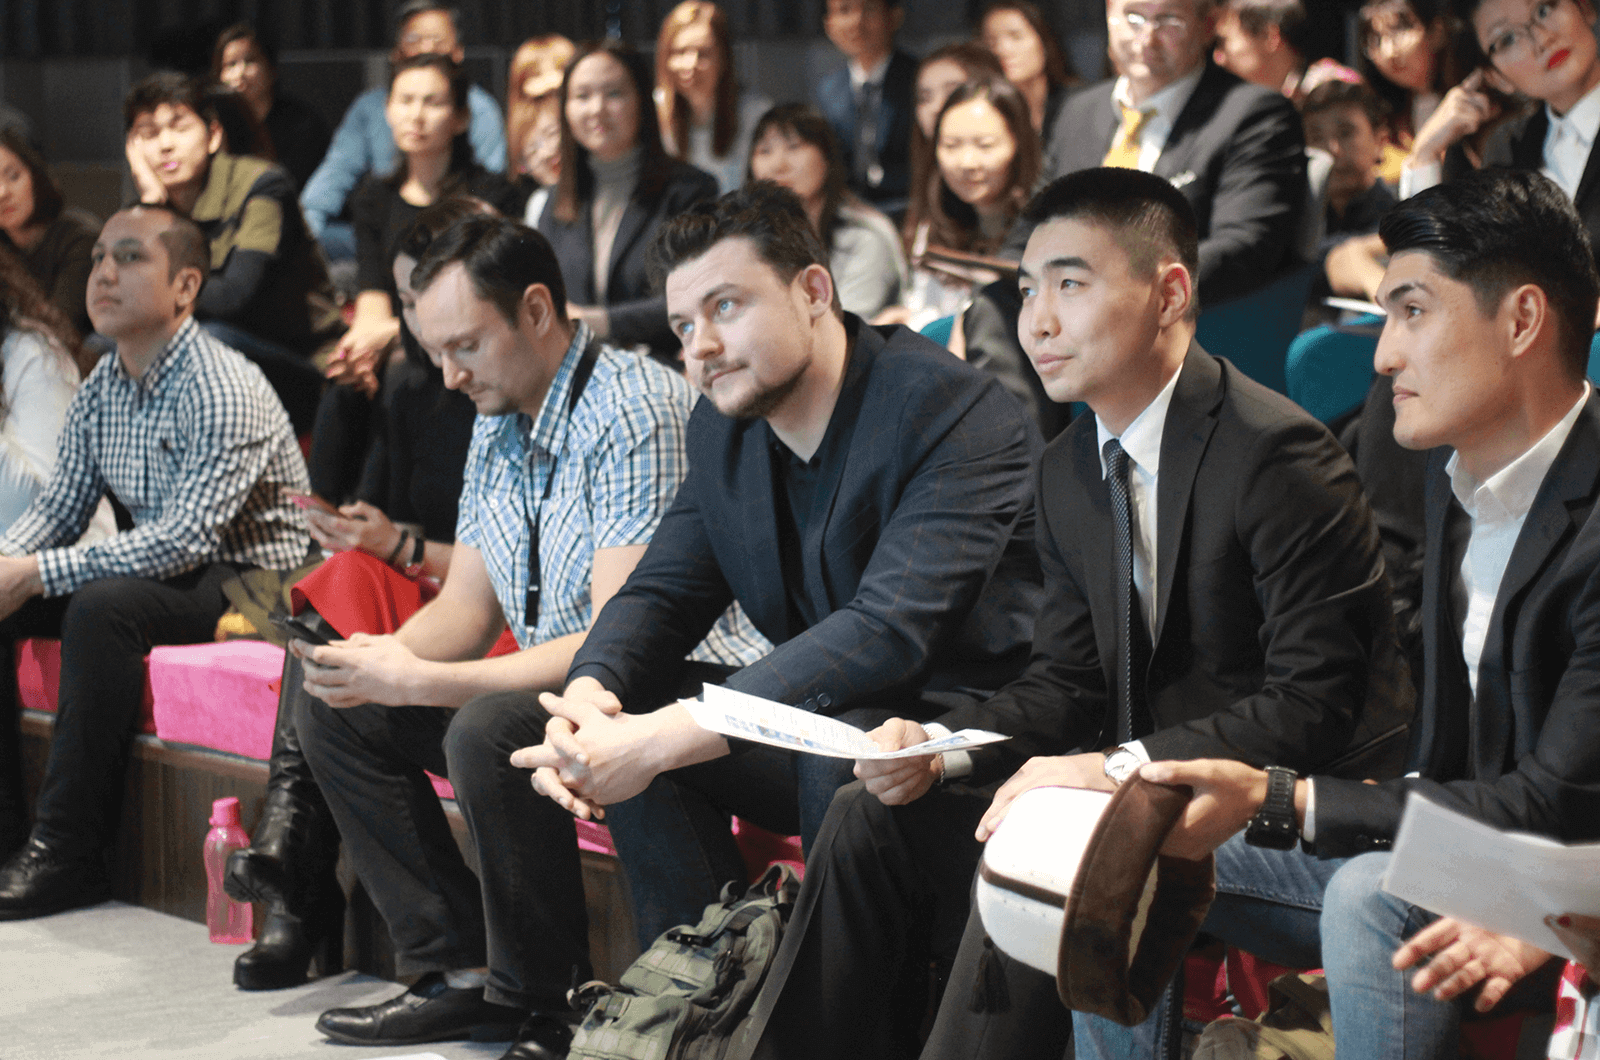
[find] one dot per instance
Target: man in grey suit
(1234, 149)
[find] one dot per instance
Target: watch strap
(1274, 825)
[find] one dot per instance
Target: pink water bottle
(229, 921)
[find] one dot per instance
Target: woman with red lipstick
(618, 186)
(1544, 50)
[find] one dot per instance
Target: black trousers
(523, 913)
(886, 890)
(106, 628)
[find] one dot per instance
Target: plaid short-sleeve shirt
(612, 466)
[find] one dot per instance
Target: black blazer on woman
(638, 311)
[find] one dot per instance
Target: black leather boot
(289, 866)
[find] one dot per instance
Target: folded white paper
(758, 720)
(1453, 865)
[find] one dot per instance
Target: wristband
(413, 569)
(398, 545)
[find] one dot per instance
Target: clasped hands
(593, 755)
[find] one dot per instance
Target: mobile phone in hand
(295, 629)
(310, 501)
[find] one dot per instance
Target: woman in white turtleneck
(617, 186)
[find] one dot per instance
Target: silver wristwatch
(1120, 763)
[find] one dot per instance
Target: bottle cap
(225, 811)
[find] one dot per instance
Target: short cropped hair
(410, 9)
(187, 246)
(768, 215)
(1148, 217)
(1495, 230)
(174, 89)
(1288, 15)
(1331, 94)
(503, 259)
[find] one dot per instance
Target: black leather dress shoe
(431, 1011)
(38, 881)
(541, 1037)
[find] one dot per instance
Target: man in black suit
(1246, 617)
(870, 103)
(1491, 293)
(1235, 150)
(865, 496)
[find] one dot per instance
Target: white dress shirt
(1568, 139)
(1497, 508)
(1566, 149)
(1167, 105)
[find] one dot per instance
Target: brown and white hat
(1073, 883)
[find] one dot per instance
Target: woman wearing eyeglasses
(1546, 51)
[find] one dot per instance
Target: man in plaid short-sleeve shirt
(577, 452)
(190, 438)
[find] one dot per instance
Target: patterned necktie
(1124, 153)
(865, 170)
(1135, 637)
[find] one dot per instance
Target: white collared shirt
(860, 78)
(1142, 442)
(1167, 104)
(1568, 140)
(1498, 507)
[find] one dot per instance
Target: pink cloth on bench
(225, 697)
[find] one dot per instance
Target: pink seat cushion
(39, 678)
(223, 696)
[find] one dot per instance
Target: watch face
(1121, 763)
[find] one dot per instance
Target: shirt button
(824, 700)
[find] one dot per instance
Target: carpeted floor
(125, 982)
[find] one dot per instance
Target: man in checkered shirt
(576, 454)
(189, 437)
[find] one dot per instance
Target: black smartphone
(295, 629)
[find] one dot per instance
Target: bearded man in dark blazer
(865, 496)
(1232, 603)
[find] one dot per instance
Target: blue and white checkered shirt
(617, 461)
(199, 451)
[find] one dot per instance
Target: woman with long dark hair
(795, 146)
(1030, 57)
(427, 111)
(988, 160)
(297, 134)
(618, 185)
(52, 241)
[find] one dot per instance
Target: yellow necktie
(1124, 153)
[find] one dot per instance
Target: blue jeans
(1301, 911)
(673, 838)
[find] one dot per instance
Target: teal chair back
(1254, 332)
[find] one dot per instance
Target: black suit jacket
(837, 101)
(1236, 152)
(1275, 643)
(1519, 144)
(638, 312)
(1525, 753)
(931, 580)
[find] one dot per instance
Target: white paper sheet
(1508, 882)
(758, 720)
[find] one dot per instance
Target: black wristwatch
(1274, 825)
